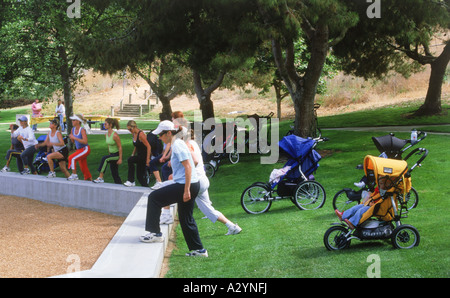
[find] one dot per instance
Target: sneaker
(156, 186)
(72, 177)
(152, 238)
(233, 230)
(339, 214)
(128, 183)
(360, 184)
(166, 219)
(25, 171)
(51, 175)
(98, 180)
(5, 169)
(198, 253)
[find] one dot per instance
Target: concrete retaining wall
(105, 197)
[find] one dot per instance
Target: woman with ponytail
(114, 158)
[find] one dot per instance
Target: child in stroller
(294, 180)
(389, 146)
(387, 205)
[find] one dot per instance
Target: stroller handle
(418, 151)
(420, 136)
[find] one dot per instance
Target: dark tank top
(141, 149)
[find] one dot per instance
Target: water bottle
(413, 136)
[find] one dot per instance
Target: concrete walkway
(393, 128)
(125, 255)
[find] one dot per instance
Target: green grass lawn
(287, 242)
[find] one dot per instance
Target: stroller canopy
(389, 144)
(296, 147)
(385, 166)
(301, 153)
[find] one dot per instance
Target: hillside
(345, 94)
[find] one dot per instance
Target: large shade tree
(400, 39)
(43, 32)
(321, 24)
(211, 38)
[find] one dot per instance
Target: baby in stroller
(353, 215)
(387, 204)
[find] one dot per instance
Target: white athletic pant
(202, 199)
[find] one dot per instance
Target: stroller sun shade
(300, 152)
(390, 145)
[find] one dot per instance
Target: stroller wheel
(256, 198)
(405, 236)
(209, 170)
(412, 199)
(342, 202)
(309, 195)
(335, 238)
(234, 157)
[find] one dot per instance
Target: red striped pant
(80, 156)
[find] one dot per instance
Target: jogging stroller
(294, 181)
(211, 157)
(389, 146)
(383, 219)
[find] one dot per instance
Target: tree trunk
(204, 95)
(166, 113)
(207, 107)
(432, 104)
(303, 89)
(67, 90)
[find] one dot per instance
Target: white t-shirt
(26, 133)
(60, 110)
(198, 154)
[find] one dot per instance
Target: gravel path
(42, 240)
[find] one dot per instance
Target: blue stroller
(294, 181)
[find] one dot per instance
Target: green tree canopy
(400, 40)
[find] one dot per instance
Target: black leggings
(174, 194)
(140, 169)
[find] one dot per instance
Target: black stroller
(212, 159)
(389, 146)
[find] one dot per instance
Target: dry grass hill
(99, 93)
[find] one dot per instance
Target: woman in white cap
(26, 135)
(79, 137)
(183, 191)
(203, 201)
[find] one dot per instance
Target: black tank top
(141, 149)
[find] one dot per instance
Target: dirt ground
(41, 240)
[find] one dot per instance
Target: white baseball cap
(164, 126)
